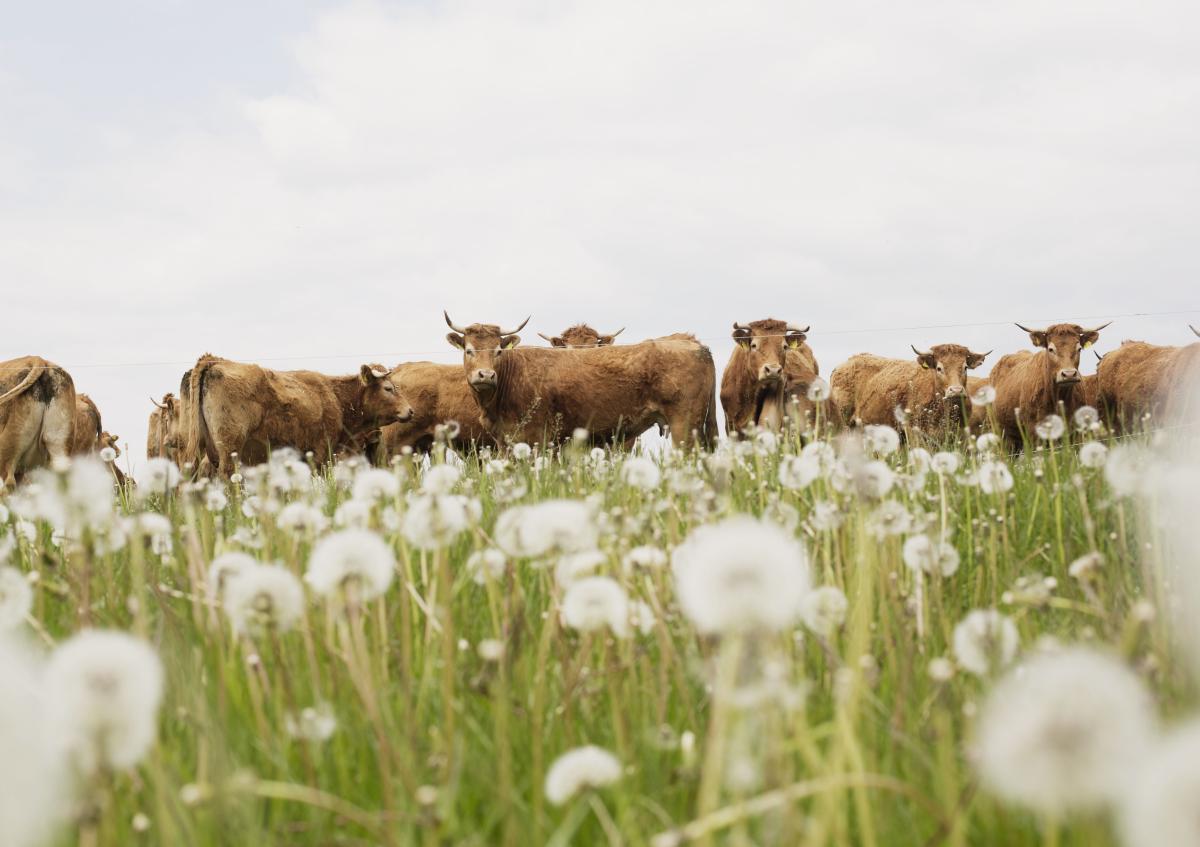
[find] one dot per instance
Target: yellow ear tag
(1087, 345)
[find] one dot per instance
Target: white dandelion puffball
(642, 473)
(984, 641)
(552, 526)
(645, 557)
(579, 769)
(1093, 455)
(1158, 807)
(31, 788)
(741, 575)
(985, 395)
(1051, 428)
(264, 598)
(1086, 418)
(434, 520)
(874, 479)
(796, 472)
(161, 476)
(375, 484)
(987, 442)
(16, 598)
(521, 451)
(440, 479)
(824, 610)
(818, 390)
(881, 439)
(995, 478)
(355, 557)
(944, 463)
(936, 558)
(225, 567)
(1064, 731)
(572, 566)
(1127, 469)
(595, 602)
(104, 689)
(486, 564)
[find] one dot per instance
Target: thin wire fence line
(366, 357)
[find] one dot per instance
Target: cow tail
(193, 410)
(709, 433)
(35, 373)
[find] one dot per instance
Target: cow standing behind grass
(1140, 381)
(37, 416)
(931, 391)
(615, 393)
(771, 364)
(580, 337)
(439, 395)
(250, 410)
(1031, 386)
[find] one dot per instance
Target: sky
(309, 184)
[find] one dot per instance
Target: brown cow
(581, 336)
(438, 394)
(754, 384)
(163, 424)
(616, 393)
(1030, 386)
(932, 390)
(248, 410)
(800, 371)
(1140, 380)
(37, 415)
(87, 429)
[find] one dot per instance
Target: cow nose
(485, 376)
(1068, 375)
(953, 390)
(770, 371)
(406, 415)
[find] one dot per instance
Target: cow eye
(1050, 347)
(389, 388)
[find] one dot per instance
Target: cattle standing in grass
(163, 424)
(1140, 381)
(37, 415)
(932, 390)
(581, 336)
(754, 386)
(1030, 386)
(249, 410)
(615, 393)
(438, 394)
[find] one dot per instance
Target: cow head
(764, 344)
(483, 345)
(581, 336)
(107, 439)
(170, 424)
(949, 364)
(1063, 343)
(380, 401)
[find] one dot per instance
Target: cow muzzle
(1067, 376)
(483, 379)
(770, 374)
(955, 392)
(405, 416)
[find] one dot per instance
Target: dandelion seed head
(641, 472)
(1051, 428)
(16, 599)
(31, 795)
(796, 472)
(926, 555)
(595, 602)
(548, 527)
(263, 598)
(351, 558)
(440, 479)
(580, 769)
(984, 641)
(225, 567)
(487, 564)
(824, 610)
(995, 478)
(880, 439)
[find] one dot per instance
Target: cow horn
(622, 329)
(156, 403)
(737, 325)
(450, 323)
(1097, 329)
(514, 331)
(379, 373)
(546, 337)
(803, 330)
(920, 352)
(1027, 329)
(1096, 353)
(985, 355)
(1193, 329)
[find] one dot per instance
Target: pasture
(769, 643)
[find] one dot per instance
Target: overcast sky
(309, 184)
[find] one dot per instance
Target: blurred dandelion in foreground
(1064, 731)
(944, 463)
(936, 558)
(1051, 428)
(160, 477)
(882, 440)
(1086, 418)
(595, 602)
(741, 575)
(824, 610)
(486, 564)
(104, 688)
(352, 559)
(984, 641)
(31, 795)
(995, 478)
(985, 395)
(1093, 455)
(313, 724)
(1158, 806)
(224, 568)
(16, 598)
(796, 472)
(263, 598)
(580, 769)
(552, 526)
(641, 472)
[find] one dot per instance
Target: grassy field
(427, 702)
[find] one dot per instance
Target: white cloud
(666, 166)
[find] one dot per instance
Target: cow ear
(795, 339)
(558, 341)
(508, 342)
(742, 337)
(456, 340)
(364, 375)
(1038, 338)
(926, 360)
(974, 360)
(1088, 338)
(605, 340)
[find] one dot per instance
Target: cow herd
(227, 412)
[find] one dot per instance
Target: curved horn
(1097, 329)
(920, 352)
(514, 331)
(450, 323)
(156, 403)
(546, 337)
(1027, 329)
(1096, 353)
(985, 355)
(622, 329)
(737, 325)
(803, 330)
(1193, 329)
